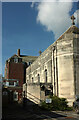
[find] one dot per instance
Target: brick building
(10, 90)
(15, 68)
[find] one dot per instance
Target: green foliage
(46, 106)
(57, 104)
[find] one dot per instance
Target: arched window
(38, 78)
(32, 79)
(46, 75)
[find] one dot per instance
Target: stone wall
(42, 63)
(76, 64)
(33, 93)
(61, 60)
(37, 92)
(65, 68)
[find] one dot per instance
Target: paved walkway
(16, 112)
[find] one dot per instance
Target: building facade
(56, 70)
(10, 90)
(15, 69)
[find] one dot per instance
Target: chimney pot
(18, 52)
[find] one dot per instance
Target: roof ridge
(73, 29)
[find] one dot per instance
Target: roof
(71, 29)
(28, 58)
(24, 58)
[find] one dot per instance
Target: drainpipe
(57, 71)
(54, 69)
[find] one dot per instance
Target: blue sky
(23, 28)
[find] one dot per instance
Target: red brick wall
(16, 71)
(8, 70)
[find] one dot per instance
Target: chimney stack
(18, 52)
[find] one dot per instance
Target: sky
(32, 27)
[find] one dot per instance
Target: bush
(57, 104)
(46, 106)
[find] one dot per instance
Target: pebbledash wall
(57, 67)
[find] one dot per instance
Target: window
(16, 60)
(48, 92)
(43, 88)
(32, 79)
(15, 96)
(29, 63)
(15, 83)
(38, 78)
(46, 75)
(7, 83)
(11, 83)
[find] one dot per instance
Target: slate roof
(25, 58)
(28, 58)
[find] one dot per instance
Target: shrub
(57, 104)
(46, 106)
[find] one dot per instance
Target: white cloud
(55, 16)
(76, 14)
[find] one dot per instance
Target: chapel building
(56, 70)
